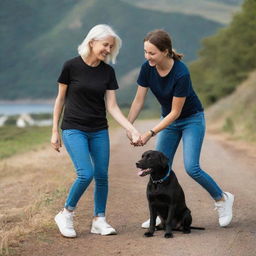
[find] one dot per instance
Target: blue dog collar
(163, 179)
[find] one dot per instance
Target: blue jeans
(89, 152)
(191, 130)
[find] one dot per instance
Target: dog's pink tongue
(140, 172)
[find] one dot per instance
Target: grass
(35, 184)
(16, 140)
(228, 126)
(33, 218)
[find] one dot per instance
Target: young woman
(87, 87)
(182, 115)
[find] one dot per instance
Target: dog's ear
(164, 161)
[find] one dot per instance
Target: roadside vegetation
(16, 140)
(224, 75)
(226, 58)
(32, 188)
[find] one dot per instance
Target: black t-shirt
(84, 104)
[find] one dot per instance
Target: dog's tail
(191, 227)
(199, 228)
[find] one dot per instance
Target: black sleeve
(182, 86)
(112, 85)
(64, 77)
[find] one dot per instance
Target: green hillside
(227, 58)
(40, 35)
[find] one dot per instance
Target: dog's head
(152, 161)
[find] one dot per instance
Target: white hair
(100, 32)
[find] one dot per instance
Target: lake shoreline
(19, 107)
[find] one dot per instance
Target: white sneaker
(146, 223)
(64, 221)
(224, 209)
(100, 226)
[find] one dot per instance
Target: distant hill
(216, 10)
(38, 36)
(236, 113)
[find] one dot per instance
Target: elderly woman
(86, 85)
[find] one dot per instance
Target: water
(26, 108)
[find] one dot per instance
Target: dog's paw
(168, 235)
(148, 234)
(186, 231)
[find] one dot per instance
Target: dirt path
(127, 208)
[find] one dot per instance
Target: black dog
(165, 196)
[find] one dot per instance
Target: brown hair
(162, 41)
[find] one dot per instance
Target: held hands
(145, 137)
(56, 141)
(137, 139)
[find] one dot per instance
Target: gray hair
(100, 32)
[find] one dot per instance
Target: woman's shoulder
(181, 68)
(107, 67)
(145, 66)
(71, 61)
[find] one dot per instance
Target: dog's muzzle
(144, 172)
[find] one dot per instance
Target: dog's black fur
(165, 197)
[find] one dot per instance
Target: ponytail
(175, 55)
(161, 39)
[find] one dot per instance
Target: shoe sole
(63, 234)
(95, 231)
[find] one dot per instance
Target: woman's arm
(58, 108)
(177, 105)
(137, 103)
(115, 112)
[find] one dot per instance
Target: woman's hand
(129, 135)
(135, 138)
(145, 137)
(56, 141)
